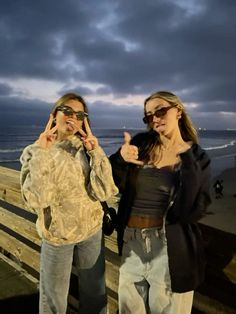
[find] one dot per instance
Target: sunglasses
(159, 113)
(68, 111)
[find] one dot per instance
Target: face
(165, 122)
(68, 121)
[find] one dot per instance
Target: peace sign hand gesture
(130, 152)
(89, 140)
(48, 137)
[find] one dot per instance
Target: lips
(70, 123)
(159, 127)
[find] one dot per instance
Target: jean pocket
(128, 235)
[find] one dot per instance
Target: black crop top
(153, 186)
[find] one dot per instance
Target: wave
(232, 143)
(9, 160)
(15, 150)
(223, 156)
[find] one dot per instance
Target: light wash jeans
(55, 271)
(144, 282)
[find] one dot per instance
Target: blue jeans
(144, 282)
(55, 271)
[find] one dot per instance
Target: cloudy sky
(116, 53)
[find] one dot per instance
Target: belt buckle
(145, 232)
(146, 236)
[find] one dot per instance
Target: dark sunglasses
(159, 113)
(68, 111)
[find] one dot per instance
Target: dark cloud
(5, 90)
(125, 47)
(21, 111)
(18, 111)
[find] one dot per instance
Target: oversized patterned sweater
(65, 189)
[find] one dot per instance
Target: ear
(179, 113)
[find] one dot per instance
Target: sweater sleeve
(193, 196)
(101, 184)
(37, 186)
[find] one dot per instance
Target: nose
(155, 119)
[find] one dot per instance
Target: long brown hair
(187, 129)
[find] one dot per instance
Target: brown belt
(144, 222)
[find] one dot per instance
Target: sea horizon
(220, 145)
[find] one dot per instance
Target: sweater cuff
(98, 152)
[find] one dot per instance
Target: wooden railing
(20, 242)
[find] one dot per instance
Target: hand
(48, 136)
(89, 140)
(130, 152)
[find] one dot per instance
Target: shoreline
(222, 159)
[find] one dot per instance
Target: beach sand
(222, 211)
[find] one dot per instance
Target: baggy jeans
(144, 282)
(55, 271)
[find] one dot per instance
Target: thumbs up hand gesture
(129, 152)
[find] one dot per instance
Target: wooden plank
(10, 172)
(10, 186)
(11, 195)
(13, 182)
(230, 269)
(112, 262)
(10, 178)
(112, 276)
(19, 269)
(112, 272)
(112, 305)
(111, 243)
(20, 250)
(20, 225)
(14, 285)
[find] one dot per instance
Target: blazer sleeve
(193, 191)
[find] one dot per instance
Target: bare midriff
(136, 221)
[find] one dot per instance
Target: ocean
(220, 145)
